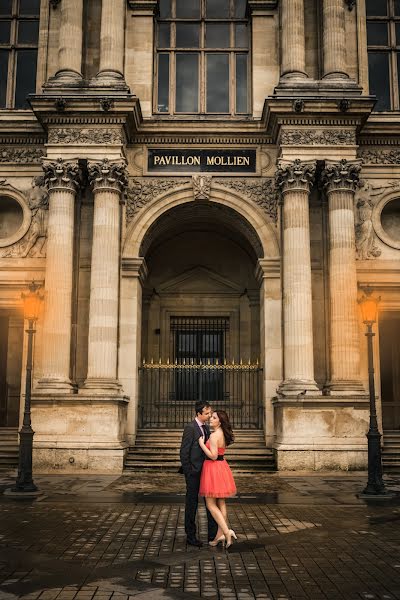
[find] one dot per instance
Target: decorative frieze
(107, 175)
(21, 155)
(141, 191)
(343, 175)
(380, 156)
(85, 136)
(297, 175)
(261, 191)
(61, 174)
(307, 137)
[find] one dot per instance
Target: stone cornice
(295, 176)
(105, 175)
(61, 175)
(135, 267)
(144, 7)
(341, 176)
(261, 6)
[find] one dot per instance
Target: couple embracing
(207, 473)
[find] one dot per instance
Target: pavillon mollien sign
(202, 161)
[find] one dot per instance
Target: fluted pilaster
(294, 182)
(61, 179)
(70, 41)
(340, 181)
(108, 180)
(112, 40)
(334, 39)
(293, 39)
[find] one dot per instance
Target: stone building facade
(178, 174)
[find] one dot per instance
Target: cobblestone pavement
(119, 538)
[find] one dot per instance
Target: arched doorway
(201, 317)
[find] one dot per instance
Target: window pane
(397, 8)
(29, 7)
(379, 79)
(217, 9)
(164, 37)
(241, 83)
(240, 9)
(165, 9)
(186, 9)
(3, 76)
(377, 34)
(163, 83)
(26, 76)
(28, 32)
(218, 83)
(217, 35)
(5, 8)
(241, 35)
(376, 8)
(187, 35)
(5, 28)
(187, 83)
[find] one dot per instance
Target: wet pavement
(121, 537)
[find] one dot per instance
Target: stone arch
(251, 214)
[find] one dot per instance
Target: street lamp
(375, 485)
(24, 485)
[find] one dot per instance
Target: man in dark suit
(192, 458)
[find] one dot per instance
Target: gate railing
(168, 392)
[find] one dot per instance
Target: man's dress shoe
(194, 542)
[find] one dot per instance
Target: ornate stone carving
(351, 4)
(33, 243)
(341, 175)
(201, 187)
(297, 175)
(304, 137)
(261, 191)
(365, 237)
(85, 136)
(380, 156)
(107, 175)
(21, 155)
(141, 191)
(61, 174)
(55, 3)
(106, 104)
(344, 105)
(298, 105)
(60, 104)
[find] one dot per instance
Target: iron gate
(169, 391)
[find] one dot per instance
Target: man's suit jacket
(192, 456)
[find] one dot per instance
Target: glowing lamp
(369, 306)
(32, 300)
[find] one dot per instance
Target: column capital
(295, 176)
(341, 176)
(106, 175)
(61, 175)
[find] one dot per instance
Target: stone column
(293, 40)
(340, 181)
(70, 41)
(334, 39)
(108, 180)
(294, 181)
(112, 40)
(61, 179)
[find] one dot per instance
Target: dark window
(207, 43)
(383, 38)
(19, 34)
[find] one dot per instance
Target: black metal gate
(168, 392)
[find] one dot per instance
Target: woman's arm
(213, 451)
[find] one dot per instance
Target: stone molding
(295, 176)
(268, 268)
(141, 191)
(21, 155)
(135, 267)
(380, 157)
(261, 191)
(144, 7)
(61, 175)
(307, 137)
(341, 176)
(107, 175)
(85, 136)
(201, 187)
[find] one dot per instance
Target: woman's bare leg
(218, 516)
(222, 507)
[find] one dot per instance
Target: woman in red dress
(217, 481)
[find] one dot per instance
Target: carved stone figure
(201, 187)
(365, 237)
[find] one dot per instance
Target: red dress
(216, 478)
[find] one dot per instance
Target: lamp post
(24, 485)
(375, 485)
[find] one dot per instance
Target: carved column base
(66, 77)
(298, 388)
(109, 78)
(50, 385)
(101, 385)
(345, 388)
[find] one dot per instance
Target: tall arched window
(202, 57)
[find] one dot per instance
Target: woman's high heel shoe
(229, 538)
(233, 534)
(217, 541)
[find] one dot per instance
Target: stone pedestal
(61, 181)
(108, 180)
(340, 181)
(294, 181)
